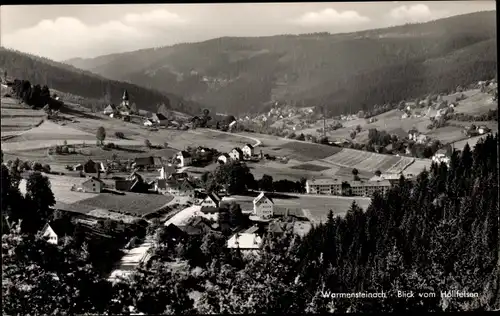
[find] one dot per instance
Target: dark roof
(238, 150)
(144, 161)
(174, 231)
(225, 155)
(61, 227)
(159, 116)
(214, 197)
(249, 145)
(178, 175)
(185, 154)
(210, 210)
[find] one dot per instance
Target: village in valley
(177, 187)
(136, 195)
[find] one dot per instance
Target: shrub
(119, 135)
(37, 166)
(46, 168)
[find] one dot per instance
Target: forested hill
(66, 78)
(342, 71)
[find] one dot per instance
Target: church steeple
(125, 95)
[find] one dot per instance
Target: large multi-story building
(324, 186)
(338, 187)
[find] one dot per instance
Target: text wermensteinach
(328, 294)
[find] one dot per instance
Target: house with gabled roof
(175, 187)
(224, 158)
(91, 166)
(92, 185)
(55, 230)
(110, 109)
(212, 200)
(159, 119)
(263, 206)
(236, 154)
(247, 150)
(183, 158)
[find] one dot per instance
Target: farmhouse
(93, 185)
(183, 158)
(263, 206)
(159, 119)
(248, 243)
(236, 154)
(212, 200)
(247, 150)
(224, 158)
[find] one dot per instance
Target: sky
(61, 32)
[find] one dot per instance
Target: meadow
(135, 204)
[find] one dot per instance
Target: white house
(224, 158)
(248, 243)
(263, 206)
(93, 185)
(212, 200)
(236, 154)
(247, 150)
(184, 158)
(148, 122)
(48, 233)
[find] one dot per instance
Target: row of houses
(237, 154)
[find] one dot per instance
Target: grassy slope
(87, 85)
(383, 65)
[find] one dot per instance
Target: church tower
(125, 99)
